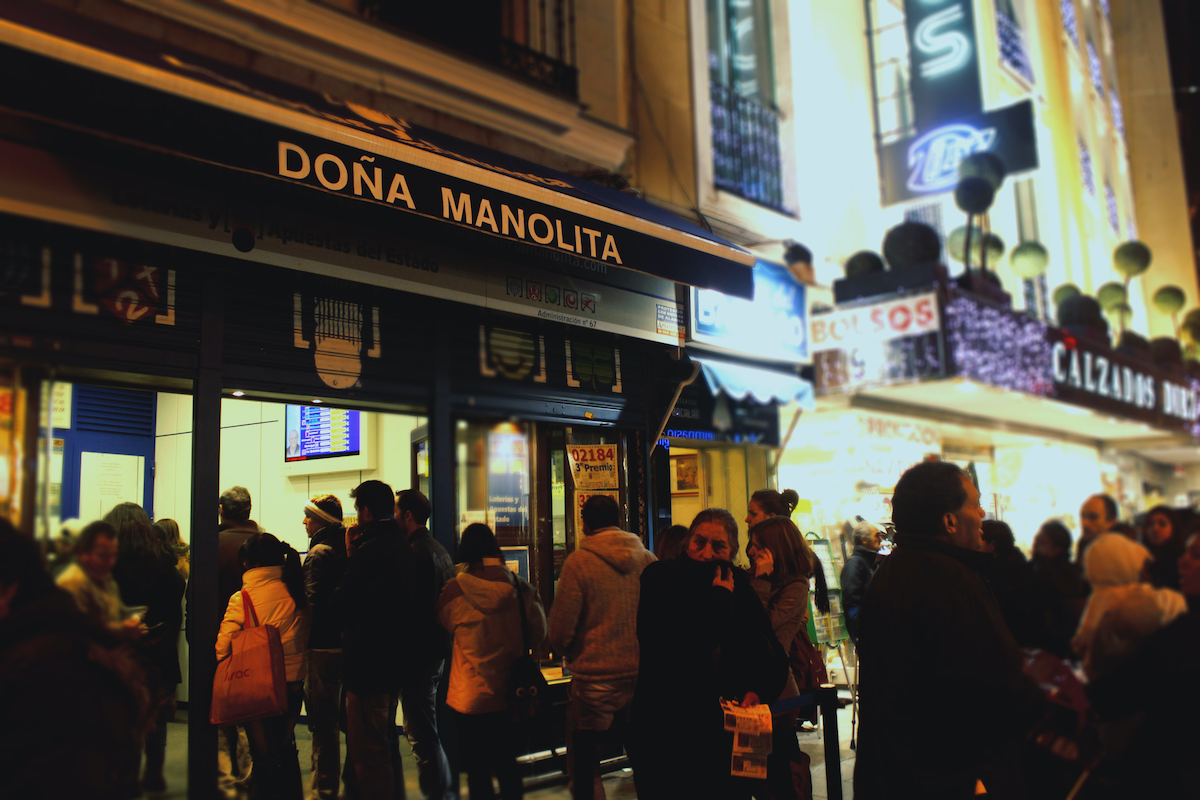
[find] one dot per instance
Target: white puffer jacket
(273, 605)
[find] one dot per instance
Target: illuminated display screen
(321, 432)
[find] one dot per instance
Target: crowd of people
(983, 672)
(958, 637)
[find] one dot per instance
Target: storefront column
(441, 438)
(204, 618)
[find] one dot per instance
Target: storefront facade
(256, 255)
(1041, 418)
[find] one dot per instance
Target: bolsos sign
(878, 323)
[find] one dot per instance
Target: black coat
(434, 568)
(323, 568)
(375, 603)
(944, 700)
(856, 572)
(73, 705)
(1150, 694)
(152, 580)
(699, 643)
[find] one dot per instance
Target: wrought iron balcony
(534, 39)
(745, 137)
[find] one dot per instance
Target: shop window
(745, 119)
(1014, 52)
(1070, 21)
(493, 483)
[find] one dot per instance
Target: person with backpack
(479, 608)
(272, 594)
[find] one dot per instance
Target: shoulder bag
(251, 683)
(527, 688)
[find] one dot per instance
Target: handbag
(251, 683)
(527, 693)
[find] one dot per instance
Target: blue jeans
(418, 698)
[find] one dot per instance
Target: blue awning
(739, 381)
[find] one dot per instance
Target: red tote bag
(252, 682)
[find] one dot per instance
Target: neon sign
(950, 49)
(933, 159)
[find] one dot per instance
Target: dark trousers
(488, 746)
(418, 698)
(322, 695)
(273, 750)
(373, 767)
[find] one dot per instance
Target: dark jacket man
(236, 527)
(944, 701)
(374, 603)
(859, 568)
(323, 568)
(433, 567)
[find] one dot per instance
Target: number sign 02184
(593, 466)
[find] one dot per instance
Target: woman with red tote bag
(272, 596)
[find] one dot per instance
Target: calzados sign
(1099, 375)
(593, 466)
(883, 322)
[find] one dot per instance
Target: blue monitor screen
(321, 432)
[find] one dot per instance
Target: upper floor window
(533, 38)
(1118, 114)
(1094, 68)
(1013, 50)
(893, 101)
(1087, 168)
(1114, 216)
(1070, 21)
(745, 121)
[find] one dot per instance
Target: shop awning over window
(140, 91)
(739, 381)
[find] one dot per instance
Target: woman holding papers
(704, 636)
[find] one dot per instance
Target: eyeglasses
(1090, 515)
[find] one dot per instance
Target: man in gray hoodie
(593, 622)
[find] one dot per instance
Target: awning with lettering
(90, 77)
(739, 381)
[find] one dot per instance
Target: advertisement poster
(580, 499)
(508, 464)
(593, 466)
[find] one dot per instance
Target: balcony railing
(534, 39)
(746, 157)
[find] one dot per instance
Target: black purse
(527, 688)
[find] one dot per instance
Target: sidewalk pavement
(617, 785)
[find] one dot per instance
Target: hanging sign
(944, 60)
(593, 466)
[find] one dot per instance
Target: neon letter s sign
(949, 50)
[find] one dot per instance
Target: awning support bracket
(671, 408)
